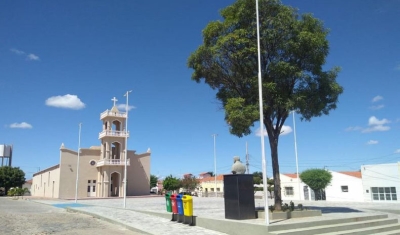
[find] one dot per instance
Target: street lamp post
(264, 167)
(77, 164)
(215, 167)
(126, 146)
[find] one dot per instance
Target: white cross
(115, 100)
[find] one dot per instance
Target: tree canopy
(11, 177)
(153, 181)
(171, 183)
(189, 183)
(316, 179)
(293, 52)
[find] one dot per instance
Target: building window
(89, 181)
(88, 189)
(345, 189)
(212, 189)
(94, 181)
(218, 189)
(384, 194)
(94, 188)
(289, 191)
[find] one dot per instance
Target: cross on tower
(115, 100)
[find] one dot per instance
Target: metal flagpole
(295, 151)
(264, 167)
(126, 146)
(77, 164)
(215, 167)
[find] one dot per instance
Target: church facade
(101, 168)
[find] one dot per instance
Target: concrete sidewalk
(149, 214)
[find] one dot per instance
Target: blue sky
(62, 62)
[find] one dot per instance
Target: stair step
(336, 227)
(382, 230)
(394, 232)
(279, 227)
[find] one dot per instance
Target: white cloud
(32, 57)
(284, 131)
(376, 125)
(354, 128)
(377, 98)
(18, 52)
(22, 125)
(66, 101)
(122, 107)
(376, 107)
(374, 121)
(397, 151)
(372, 142)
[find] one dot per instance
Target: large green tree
(294, 48)
(11, 177)
(171, 183)
(316, 179)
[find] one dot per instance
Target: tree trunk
(273, 143)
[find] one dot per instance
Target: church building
(101, 168)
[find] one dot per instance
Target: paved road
(22, 217)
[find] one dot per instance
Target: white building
(345, 186)
(381, 183)
(291, 190)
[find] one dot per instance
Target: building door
(306, 194)
(91, 188)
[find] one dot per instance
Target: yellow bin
(187, 205)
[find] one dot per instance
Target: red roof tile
(294, 176)
(356, 174)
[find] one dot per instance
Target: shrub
(300, 207)
(291, 206)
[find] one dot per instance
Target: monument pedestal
(239, 197)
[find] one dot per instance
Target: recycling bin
(174, 204)
(187, 205)
(168, 202)
(179, 204)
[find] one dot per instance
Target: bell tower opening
(116, 125)
(116, 150)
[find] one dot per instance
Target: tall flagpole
(126, 146)
(215, 167)
(295, 151)
(264, 167)
(77, 164)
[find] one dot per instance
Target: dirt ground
(30, 218)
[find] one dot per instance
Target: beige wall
(68, 163)
(46, 183)
(138, 174)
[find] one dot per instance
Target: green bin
(168, 202)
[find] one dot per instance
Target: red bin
(174, 204)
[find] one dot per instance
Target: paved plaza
(133, 217)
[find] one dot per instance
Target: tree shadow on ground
(326, 210)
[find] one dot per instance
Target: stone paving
(212, 208)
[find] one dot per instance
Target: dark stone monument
(239, 193)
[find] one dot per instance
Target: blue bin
(179, 204)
